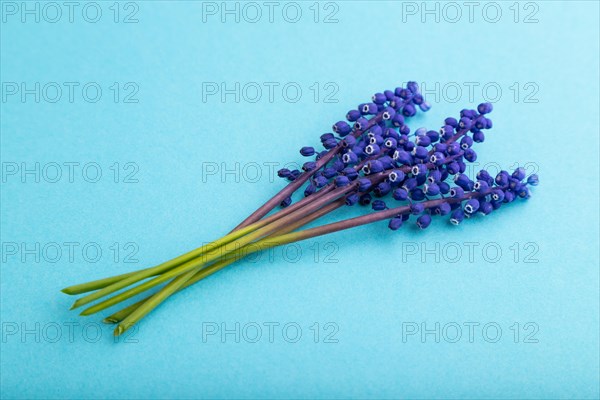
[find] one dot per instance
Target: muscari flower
(371, 153)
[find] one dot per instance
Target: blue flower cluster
(374, 154)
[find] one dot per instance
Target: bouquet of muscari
(370, 157)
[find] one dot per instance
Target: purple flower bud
(310, 189)
(480, 122)
(409, 146)
(379, 98)
(425, 106)
(321, 181)
(451, 121)
(485, 108)
(361, 124)
(409, 184)
(519, 173)
(463, 181)
(375, 130)
(307, 151)
(405, 94)
(502, 178)
(418, 99)
(293, 175)
(440, 147)
(457, 216)
(398, 120)
(395, 223)
(419, 169)
(423, 221)
(387, 162)
(443, 209)
(423, 140)
(400, 194)
(396, 176)
(402, 157)
(524, 192)
(389, 95)
(350, 157)
(349, 141)
(329, 172)
(508, 196)
(359, 147)
(420, 152)
(327, 136)
(437, 158)
(466, 142)
(350, 173)
(444, 187)
(379, 205)
(353, 115)
(286, 202)
(533, 180)
(445, 175)
(284, 173)
(372, 149)
(341, 181)
(483, 175)
(404, 130)
(465, 123)
(462, 167)
(369, 109)
(434, 136)
(389, 113)
(420, 131)
(409, 110)
(485, 207)
(352, 199)
(434, 176)
(390, 143)
(365, 199)
(481, 186)
(382, 189)
(330, 143)
(470, 155)
(471, 114)
(515, 184)
(391, 133)
(376, 139)
(417, 194)
(413, 87)
(453, 149)
(431, 189)
(341, 128)
(338, 164)
(471, 206)
(309, 166)
(364, 184)
(457, 192)
(375, 166)
(416, 208)
(478, 137)
(497, 195)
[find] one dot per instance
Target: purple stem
(298, 182)
(368, 219)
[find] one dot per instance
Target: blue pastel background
(367, 283)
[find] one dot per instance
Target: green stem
(251, 248)
(148, 272)
(172, 271)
